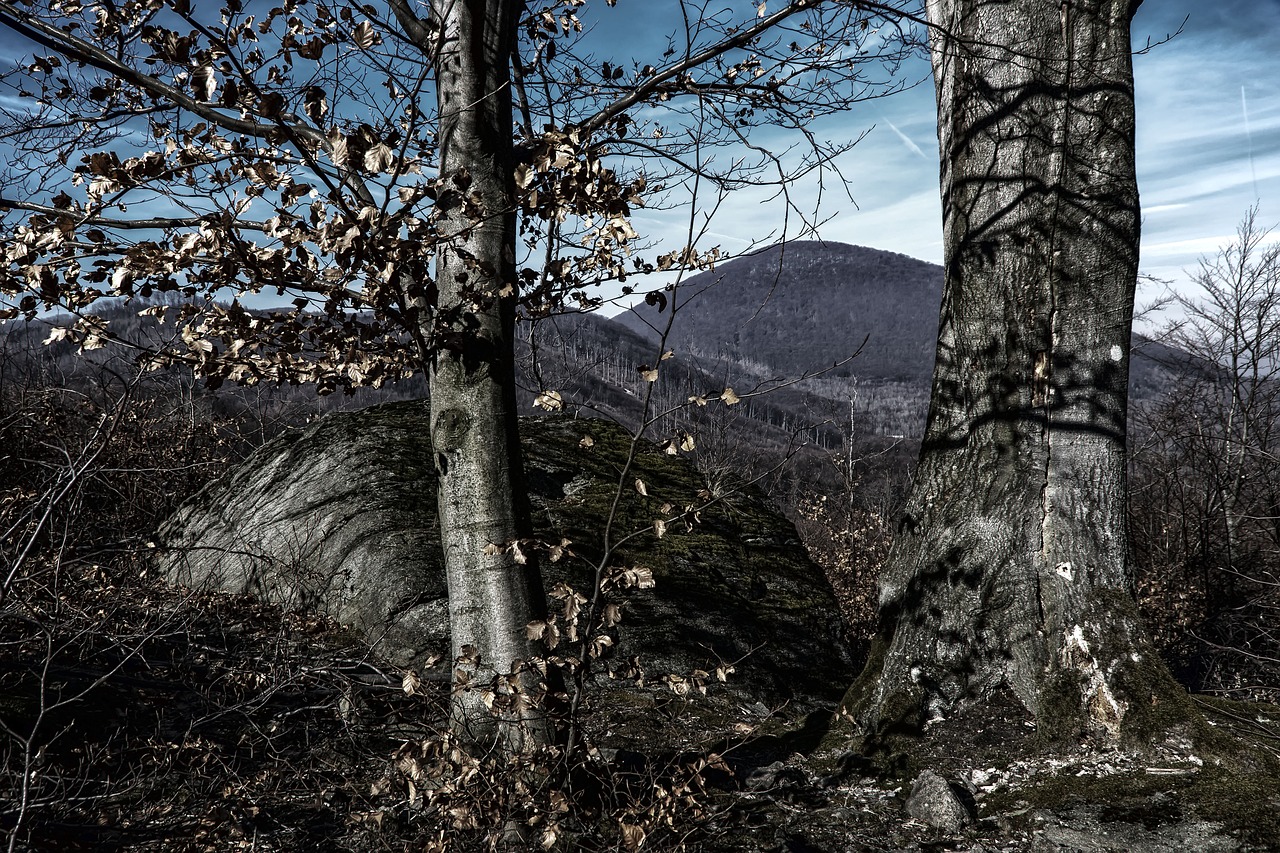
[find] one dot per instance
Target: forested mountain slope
(793, 309)
(801, 306)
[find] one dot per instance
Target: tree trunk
(1010, 570)
(492, 595)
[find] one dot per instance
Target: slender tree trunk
(492, 596)
(1010, 570)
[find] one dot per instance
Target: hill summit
(801, 306)
(795, 308)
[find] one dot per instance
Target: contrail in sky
(906, 140)
(1248, 137)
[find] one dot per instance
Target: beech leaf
(204, 82)
(410, 683)
(551, 401)
(632, 837)
(378, 158)
(364, 36)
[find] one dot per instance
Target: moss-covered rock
(340, 518)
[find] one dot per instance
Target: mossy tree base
(1208, 779)
(1120, 697)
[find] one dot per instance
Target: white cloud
(1196, 245)
(906, 140)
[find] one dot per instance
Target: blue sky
(1208, 139)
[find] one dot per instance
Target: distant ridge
(800, 306)
(795, 308)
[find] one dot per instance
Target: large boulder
(340, 518)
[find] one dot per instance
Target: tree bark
(492, 594)
(1010, 570)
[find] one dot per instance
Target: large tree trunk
(1010, 570)
(473, 405)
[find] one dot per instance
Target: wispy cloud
(906, 140)
(739, 242)
(1194, 246)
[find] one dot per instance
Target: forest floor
(1015, 794)
(166, 720)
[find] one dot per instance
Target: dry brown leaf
(632, 837)
(410, 683)
(364, 36)
(549, 400)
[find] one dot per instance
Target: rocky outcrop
(340, 518)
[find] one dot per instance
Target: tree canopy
(210, 153)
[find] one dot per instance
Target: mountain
(802, 306)
(793, 309)
(756, 323)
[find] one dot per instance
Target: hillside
(797, 308)
(143, 717)
(754, 323)
(599, 369)
(802, 306)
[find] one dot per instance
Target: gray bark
(1010, 570)
(473, 426)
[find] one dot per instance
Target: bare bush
(1206, 475)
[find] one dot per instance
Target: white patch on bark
(1116, 352)
(1075, 641)
(1064, 571)
(1104, 711)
